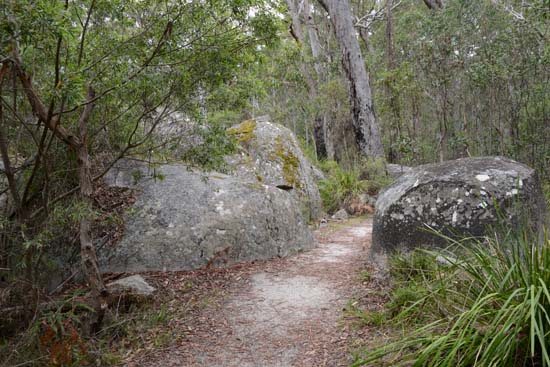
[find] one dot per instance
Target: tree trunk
(87, 248)
(295, 25)
(10, 176)
(78, 142)
(365, 123)
(313, 38)
(392, 97)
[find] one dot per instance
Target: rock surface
(457, 197)
(134, 284)
(175, 130)
(341, 214)
(272, 156)
(186, 219)
(396, 170)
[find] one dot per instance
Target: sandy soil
(282, 313)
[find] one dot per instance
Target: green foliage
(340, 187)
(486, 306)
(374, 172)
(412, 266)
(365, 317)
(144, 60)
(215, 145)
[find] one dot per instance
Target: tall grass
(487, 304)
(341, 188)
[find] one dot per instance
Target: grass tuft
(487, 304)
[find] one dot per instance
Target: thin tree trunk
(87, 248)
(295, 25)
(4, 151)
(78, 142)
(313, 38)
(365, 123)
(390, 90)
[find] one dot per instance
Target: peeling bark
(365, 123)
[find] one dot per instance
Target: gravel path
(284, 313)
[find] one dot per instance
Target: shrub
(488, 306)
(340, 188)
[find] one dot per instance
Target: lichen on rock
(270, 154)
(243, 132)
(456, 198)
(290, 163)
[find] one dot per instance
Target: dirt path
(283, 313)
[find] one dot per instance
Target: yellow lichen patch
(244, 131)
(290, 163)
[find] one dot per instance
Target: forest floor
(279, 313)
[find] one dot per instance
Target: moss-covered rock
(193, 219)
(243, 132)
(270, 154)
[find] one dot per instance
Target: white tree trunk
(365, 123)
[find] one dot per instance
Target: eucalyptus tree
(365, 122)
(82, 80)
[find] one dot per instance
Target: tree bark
(295, 25)
(365, 123)
(87, 248)
(79, 143)
(4, 150)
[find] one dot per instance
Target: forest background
(85, 83)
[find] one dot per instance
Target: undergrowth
(343, 187)
(481, 302)
(60, 335)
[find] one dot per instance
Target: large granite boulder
(175, 130)
(185, 219)
(271, 155)
(458, 198)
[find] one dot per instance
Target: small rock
(367, 199)
(134, 284)
(318, 175)
(341, 214)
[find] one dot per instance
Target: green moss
(290, 163)
(244, 131)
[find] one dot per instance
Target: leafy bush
(216, 145)
(341, 187)
(374, 171)
(487, 306)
